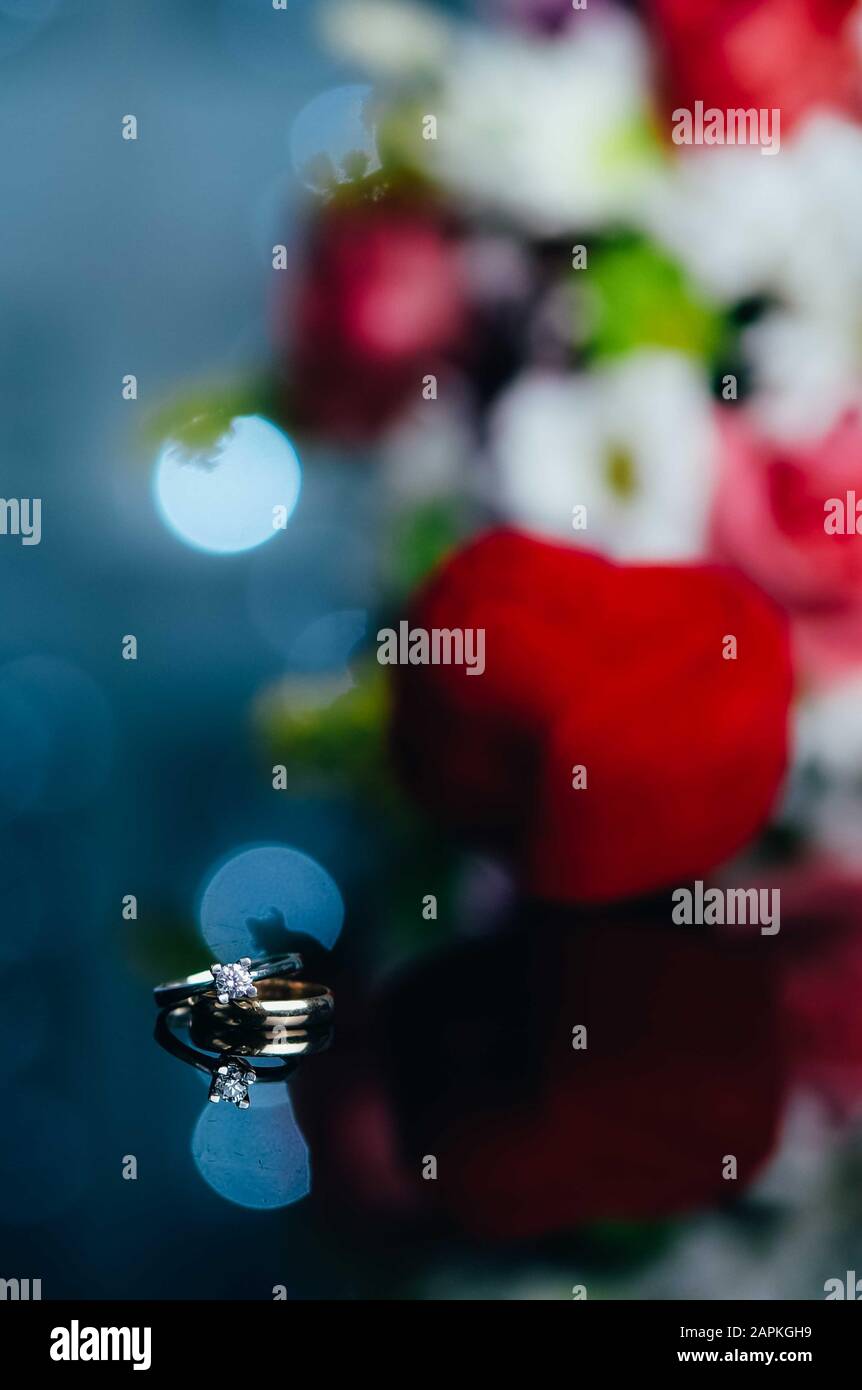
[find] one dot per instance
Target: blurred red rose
(616, 669)
(533, 1136)
(795, 55)
(380, 300)
(769, 519)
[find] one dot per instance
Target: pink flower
(770, 518)
(379, 303)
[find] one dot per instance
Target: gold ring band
(289, 1003)
(274, 1039)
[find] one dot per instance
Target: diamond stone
(233, 982)
(231, 1083)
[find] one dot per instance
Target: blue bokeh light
(256, 1157)
(333, 138)
(327, 644)
(260, 894)
(234, 495)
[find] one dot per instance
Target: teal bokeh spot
(260, 895)
(256, 1157)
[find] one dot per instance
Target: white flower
(633, 443)
(829, 730)
(806, 373)
(420, 462)
(786, 227)
(745, 225)
(824, 273)
(552, 133)
(826, 789)
(727, 214)
(549, 133)
(388, 38)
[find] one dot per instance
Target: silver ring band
(228, 983)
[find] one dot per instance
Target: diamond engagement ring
(228, 983)
(292, 1003)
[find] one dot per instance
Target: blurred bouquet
(522, 308)
(530, 307)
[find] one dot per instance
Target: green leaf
(636, 296)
